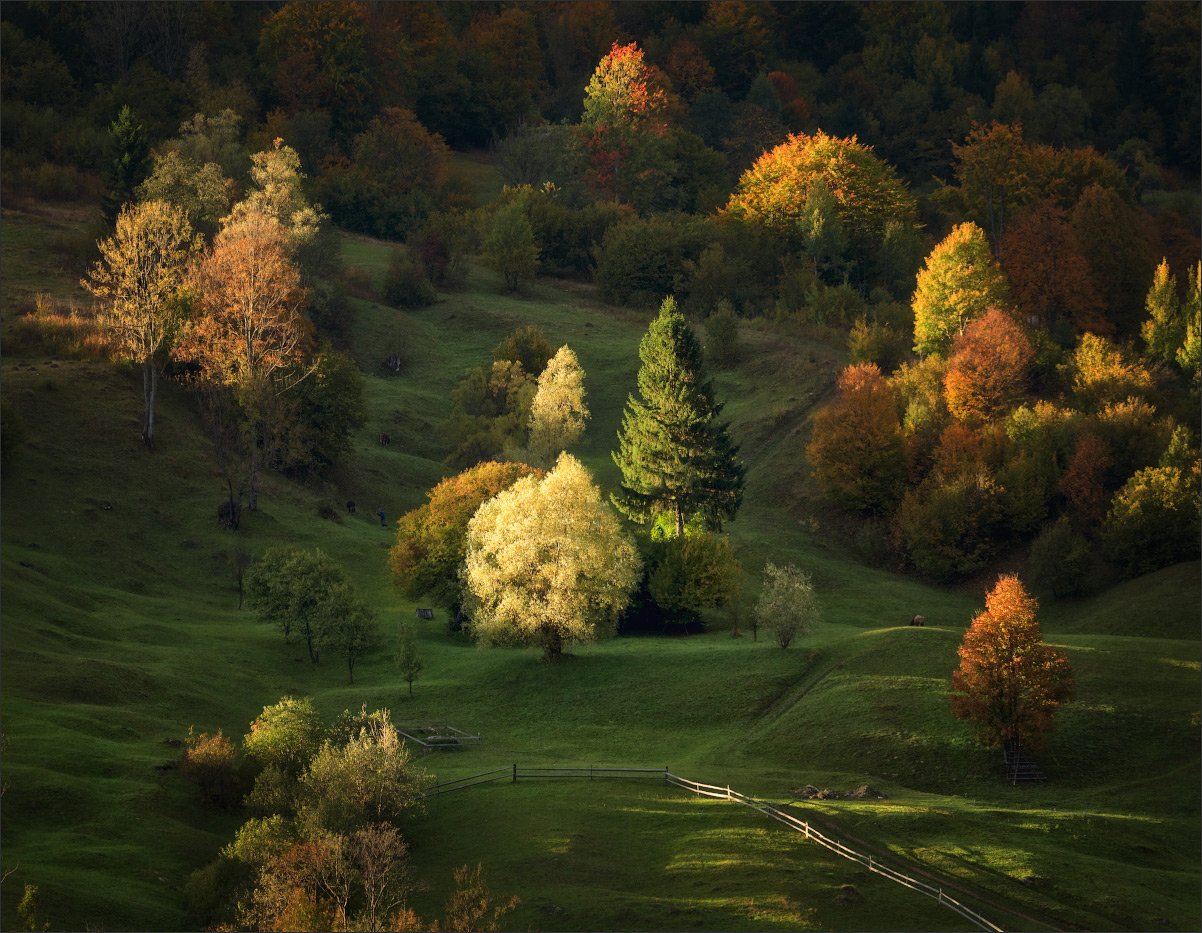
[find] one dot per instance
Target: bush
(1153, 520)
(568, 237)
(694, 572)
(873, 342)
(1059, 559)
(509, 246)
(640, 260)
(406, 284)
(722, 336)
(209, 764)
(948, 528)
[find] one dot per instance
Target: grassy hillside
(120, 629)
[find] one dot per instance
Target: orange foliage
(1009, 682)
(1083, 482)
(989, 367)
(867, 191)
(856, 448)
(1049, 277)
(250, 326)
(960, 452)
(209, 764)
(431, 539)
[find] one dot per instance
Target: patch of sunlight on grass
(1177, 662)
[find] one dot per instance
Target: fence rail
(718, 792)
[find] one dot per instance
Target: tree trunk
(253, 505)
(552, 646)
(350, 668)
(150, 384)
(679, 520)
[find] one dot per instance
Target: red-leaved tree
(1009, 682)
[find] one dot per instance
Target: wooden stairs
(1019, 765)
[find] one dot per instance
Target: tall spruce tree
(126, 165)
(676, 457)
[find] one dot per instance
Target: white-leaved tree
(548, 562)
(787, 605)
(558, 414)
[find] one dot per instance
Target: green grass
(120, 630)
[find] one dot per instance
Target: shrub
(639, 260)
(694, 572)
(722, 336)
(948, 528)
(1153, 520)
(1060, 559)
(209, 764)
(406, 284)
(874, 342)
(568, 237)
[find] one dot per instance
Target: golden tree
(1009, 682)
(548, 563)
(960, 281)
(140, 280)
(558, 413)
(250, 335)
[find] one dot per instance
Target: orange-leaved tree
(432, 539)
(250, 334)
(140, 280)
(1049, 277)
(856, 449)
(1009, 682)
(868, 194)
(989, 368)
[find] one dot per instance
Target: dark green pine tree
(676, 457)
(126, 164)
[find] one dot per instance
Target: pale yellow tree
(558, 414)
(548, 563)
(277, 177)
(139, 281)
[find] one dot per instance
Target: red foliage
(1009, 682)
(1049, 277)
(1084, 481)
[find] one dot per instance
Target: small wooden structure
(425, 613)
(1019, 765)
(435, 734)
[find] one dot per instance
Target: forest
(803, 394)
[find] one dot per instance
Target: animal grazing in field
(385, 440)
(350, 506)
(919, 620)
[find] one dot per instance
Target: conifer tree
(676, 457)
(1189, 354)
(127, 165)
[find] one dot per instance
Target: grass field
(120, 630)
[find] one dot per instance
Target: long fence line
(514, 774)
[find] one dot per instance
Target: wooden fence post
(515, 772)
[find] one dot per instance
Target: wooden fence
(514, 774)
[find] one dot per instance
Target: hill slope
(120, 630)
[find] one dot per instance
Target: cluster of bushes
(322, 848)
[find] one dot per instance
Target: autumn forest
(600, 465)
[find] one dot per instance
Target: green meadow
(121, 629)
